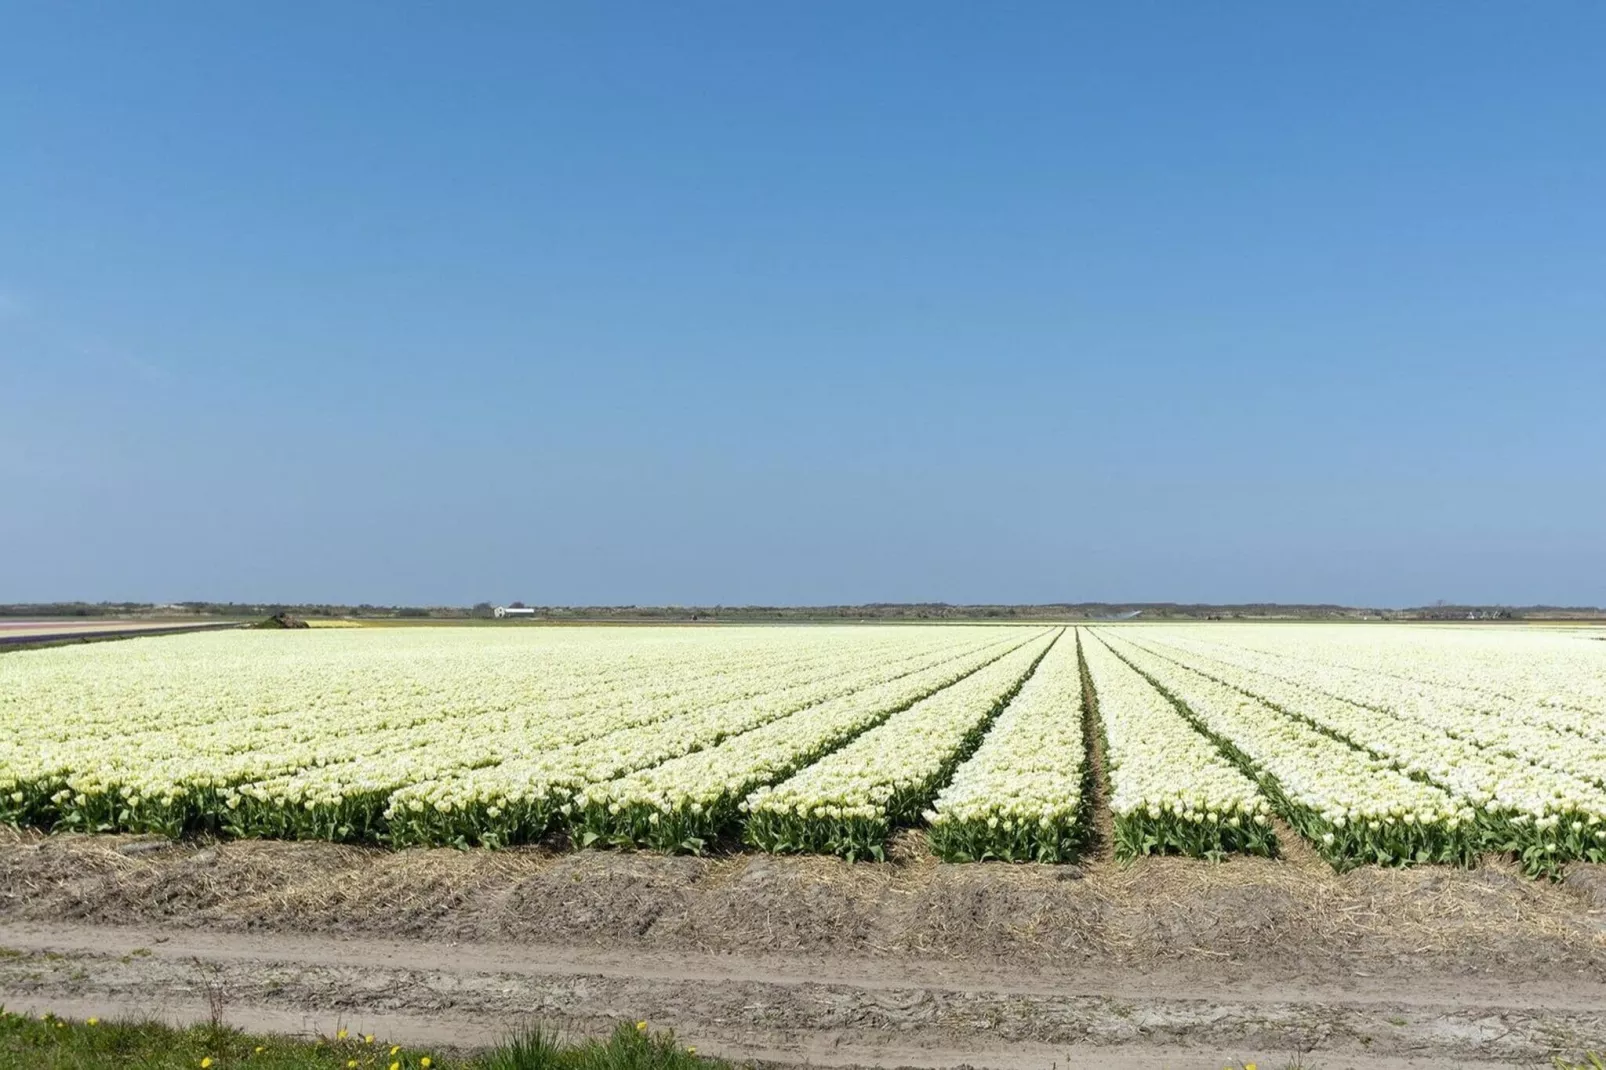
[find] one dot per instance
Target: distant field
(1375, 744)
(29, 631)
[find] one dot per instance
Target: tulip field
(1376, 744)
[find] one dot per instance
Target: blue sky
(811, 303)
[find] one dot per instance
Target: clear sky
(803, 303)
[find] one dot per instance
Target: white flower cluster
(310, 733)
(1532, 733)
(1375, 813)
(1019, 797)
(1388, 744)
(1525, 801)
(847, 802)
(688, 800)
(527, 793)
(1171, 790)
(1551, 676)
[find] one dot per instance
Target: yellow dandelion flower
(691, 1051)
(91, 1021)
(369, 1039)
(424, 1062)
(260, 1049)
(394, 1048)
(395, 1066)
(340, 1034)
(206, 1062)
(641, 1027)
(351, 1064)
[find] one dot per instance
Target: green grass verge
(51, 1043)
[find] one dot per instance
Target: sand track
(1164, 963)
(792, 1010)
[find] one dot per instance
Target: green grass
(51, 1043)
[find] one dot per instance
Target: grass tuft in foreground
(51, 1043)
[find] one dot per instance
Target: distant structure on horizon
(513, 611)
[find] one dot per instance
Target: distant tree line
(880, 611)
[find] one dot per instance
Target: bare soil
(1166, 962)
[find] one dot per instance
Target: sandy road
(795, 1008)
(442, 1031)
(27, 632)
(1162, 963)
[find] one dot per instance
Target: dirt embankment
(1163, 963)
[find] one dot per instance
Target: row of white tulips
(454, 760)
(303, 731)
(1020, 797)
(848, 802)
(517, 799)
(1353, 807)
(1378, 744)
(1543, 815)
(683, 803)
(1485, 719)
(1171, 790)
(1526, 671)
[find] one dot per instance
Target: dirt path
(818, 1010)
(1103, 821)
(1166, 962)
(871, 975)
(454, 1031)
